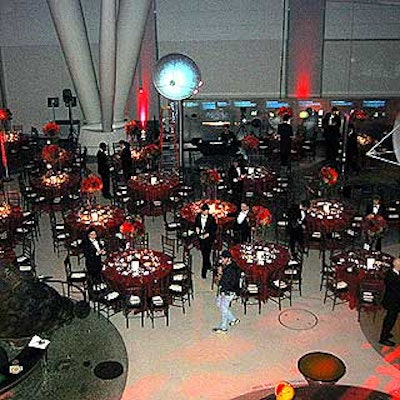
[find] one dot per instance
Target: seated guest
(242, 224)
(93, 250)
(206, 229)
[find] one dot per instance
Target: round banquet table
(106, 220)
(321, 368)
(258, 179)
(50, 186)
(10, 217)
(335, 392)
(261, 261)
(328, 216)
(152, 187)
(359, 265)
(218, 208)
(136, 268)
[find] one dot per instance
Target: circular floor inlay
(298, 319)
(108, 370)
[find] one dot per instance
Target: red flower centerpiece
(5, 114)
(285, 111)
(152, 150)
(51, 129)
(374, 225)
(360, 115)
(54, 154)
(132, 229)
(262, 215)
(130, 127)
(329, 175)
(210, 177)
(250, 142)
(91, 184)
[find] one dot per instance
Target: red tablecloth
(218, 208)
(11, 221)
(318, 221)
(260, 180)
(261, 273)
(50, 191)
(153, 266)
(142, 188)
(79, 221)
(350, 267)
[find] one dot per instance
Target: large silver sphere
(176, 76)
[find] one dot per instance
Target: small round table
(321, 368)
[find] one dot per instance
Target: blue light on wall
(176, 76)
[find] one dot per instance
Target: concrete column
(132, 17)
(70, 26)
(108, 35)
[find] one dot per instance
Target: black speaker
(67, 96)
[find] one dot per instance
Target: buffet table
(261, 261)
(151, 187)
(358, 265)
(136, 268)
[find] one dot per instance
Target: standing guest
(391, 302)
(206, 229)
(103, 169)
(126, 159)
(331, 125)
(376, 208)
(235, 182)
(296, 220)
(242, 224)
(285, 132)
(93, 250)
(227, 136)
(228, 279)
(352, 149)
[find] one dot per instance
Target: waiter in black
(93, 250)
(242, 224)
(126, 159)
(391, 302)
(235, 181)
(376, 208)
(296, 220)
(331, 125)
(206, 229)
(103, 169)
(285, 132)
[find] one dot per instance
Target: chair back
(168, 246)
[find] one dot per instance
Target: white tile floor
(187, 361)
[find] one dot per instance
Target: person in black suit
(296, 220)
(103, 169)
(93, 250)
(235, 182)
(391, 302)
(242, 224)
(126, 159)
(376, 208)
(285, 132)
(331, 125)
(206, 229)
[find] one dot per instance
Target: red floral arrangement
(374, 225)
(329, 175)
(250, 142)
(262, 215)
(130, 126)
(91, 184)
(152, 150)
(210, 177)
(285, 111)
(132, 229)
(51, 129)
(54, 154)
(5, 114)
(360, 115)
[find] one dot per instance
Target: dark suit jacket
(93, 261)
(245, 226)
(126, 159)
(381, 211)
(391, 298)
(102, 163)
(331, 127)
(210, 227)
(285, 131)
(233, 174)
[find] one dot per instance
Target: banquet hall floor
(187, 361)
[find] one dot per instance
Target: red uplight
(143, 107)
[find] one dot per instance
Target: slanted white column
(108, 36)
(70, 26)
(132, 17)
